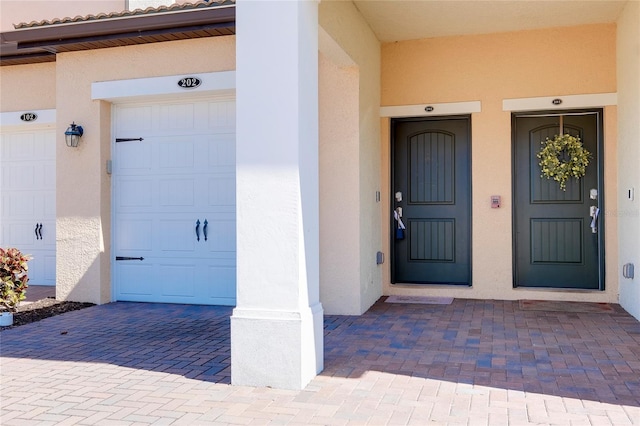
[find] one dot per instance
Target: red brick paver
(469, 363)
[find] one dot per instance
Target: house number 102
(189, 82)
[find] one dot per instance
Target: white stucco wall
(346, 26)
(276, 326)
(628, 78)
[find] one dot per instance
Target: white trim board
(45, 116)
(447, 108)
(568, 101)
(136, 89)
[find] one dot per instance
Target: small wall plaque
(29, 116)
(428, 108)
(189, 82)
(556, 101)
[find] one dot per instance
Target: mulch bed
(41, 309)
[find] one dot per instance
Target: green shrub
(13, 277)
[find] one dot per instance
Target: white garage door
(28, 199)
(174, 202)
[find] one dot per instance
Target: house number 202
(189, 82)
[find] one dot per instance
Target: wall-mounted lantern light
(73, 134)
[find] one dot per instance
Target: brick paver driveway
(471, 362)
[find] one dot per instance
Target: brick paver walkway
(471, 362)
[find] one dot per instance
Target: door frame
(390, 210)
(599, 113)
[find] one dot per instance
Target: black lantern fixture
(72, 135)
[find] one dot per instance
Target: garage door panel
(47, 148)
(133, 157)
(18, 147)
(178, 235)
(223, 282)
(176, 153)
(177, 192)
(222, 116)
(49, 268)
(49, 204)
(177, 280)
(133, 235)
(42, 266)
(222, 191)
(48, 237)
(20, 235)
(222, 237)
(135, 118)
(18, 205)
(222, 152)
(135, 278)
(18, 176)
(50, 170)
(177, 117)
(135, 193)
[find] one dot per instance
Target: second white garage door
(174, 202)
(28, 198)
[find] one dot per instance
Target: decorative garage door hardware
(38, 231)
(128, 139)
(204, 229)
(128, 258)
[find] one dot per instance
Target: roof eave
(55, 34)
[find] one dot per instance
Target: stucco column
(83, 208)
(276, 328)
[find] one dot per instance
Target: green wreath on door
(563, 157)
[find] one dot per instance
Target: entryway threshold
(424, 300)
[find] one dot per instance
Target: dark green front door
(555, 244)
(432, 188)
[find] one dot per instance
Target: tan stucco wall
(83, 186)
(491, 68)
(28, 87)
(348, 29)
(338, 147)
(628, 212)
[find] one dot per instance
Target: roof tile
(150, 10)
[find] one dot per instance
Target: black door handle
(204, 229)
(40, 231)
(36, 231)
(198, 230)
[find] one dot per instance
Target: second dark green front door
(557, 243)
(431, 188)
